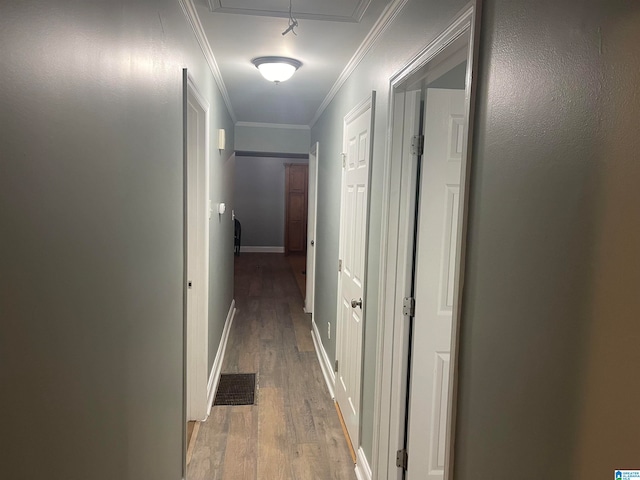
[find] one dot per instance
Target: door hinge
(339, 265)
(402, 459)
(417, 145)
(344, 159)
(409, 306)
(335, 368)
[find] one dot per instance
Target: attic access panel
(327, 10)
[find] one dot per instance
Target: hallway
(293, 431)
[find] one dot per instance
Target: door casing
(399, 197)
(197, 272)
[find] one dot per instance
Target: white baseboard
(261, 249)
(323, 359)
(214, 376)
(363, 470)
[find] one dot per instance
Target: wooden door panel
(296, 207)
(295, 239)
(298, 178)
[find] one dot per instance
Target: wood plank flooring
(299, 266)
(293, 432)
(192, 434)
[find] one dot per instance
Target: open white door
(312, 195)
(352, 264)
(434, 282)
(197, 230)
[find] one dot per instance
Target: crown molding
(388, 16)
(191, 14)
(272, 125)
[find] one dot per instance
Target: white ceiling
(328, 36)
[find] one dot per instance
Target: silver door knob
(312, 243)
(356, 303)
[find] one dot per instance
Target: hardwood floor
(293, 431)
(192, 434)
(299, 266)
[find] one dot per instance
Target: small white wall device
(221, 139)
(221, 208)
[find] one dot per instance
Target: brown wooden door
(295, 230)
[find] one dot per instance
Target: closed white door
(434, 283)
(197, 227)
(353, 237)
(311, 230)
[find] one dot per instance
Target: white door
(434, 282)
(311, 230)
(197, 253)
(353, 237)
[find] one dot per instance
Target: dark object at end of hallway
(237, 236)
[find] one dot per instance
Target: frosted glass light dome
(277, 69)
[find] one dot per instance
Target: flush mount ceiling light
(276, 69)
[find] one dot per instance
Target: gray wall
(454, 78)
(272, 139)
(221, 177)
(548, 359)
(260, 202)
(91, 251)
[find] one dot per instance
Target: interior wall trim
(323, 359)
(300, 156)
(388, 16)
(191, 14)
(251, 249)
(363, 470)
(214, 376)
(273, 125)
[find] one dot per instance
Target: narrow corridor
(293, 431)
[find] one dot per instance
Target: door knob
(312, 243)
(356, 303)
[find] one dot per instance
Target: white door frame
(197, 347)
(396, 255)
(312, 217)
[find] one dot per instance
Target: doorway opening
(423, 257)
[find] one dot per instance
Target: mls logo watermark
(627, 475)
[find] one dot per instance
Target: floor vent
(236, 389)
